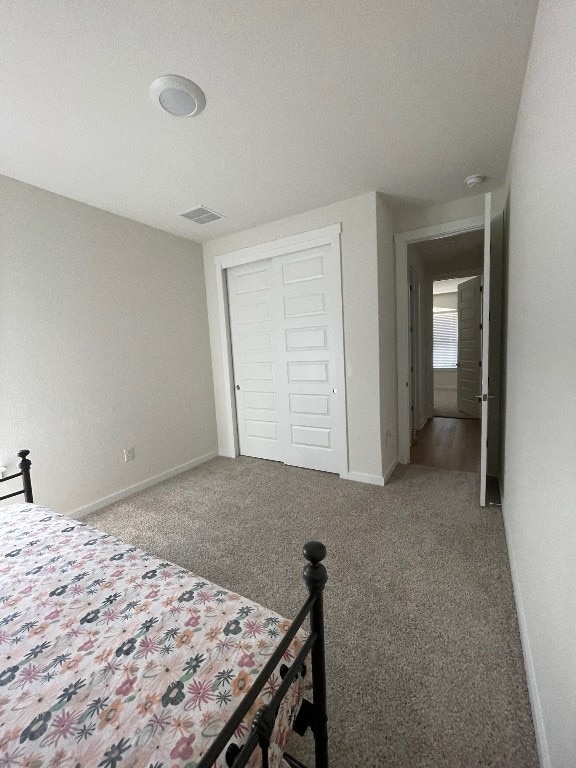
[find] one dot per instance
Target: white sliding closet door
(287, 348)
(255, 321)
(311, 301)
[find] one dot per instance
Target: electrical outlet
(129, 454)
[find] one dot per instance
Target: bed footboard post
(24, 466)
(315, 577)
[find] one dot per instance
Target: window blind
(445, 332)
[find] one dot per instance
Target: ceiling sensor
(178, 96)
(476, 178)
(202, 215)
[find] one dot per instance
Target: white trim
(390, 470)
(402, 240)
(227, 367)
(440, 230)
(361, 477)
(485, 298)
(227, 454)
(119, 495)
(329, 235)
(537, 715)
(422, 424)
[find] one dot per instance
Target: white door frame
(402, 240)
(324, 236)
(485, 393)
(414, 339)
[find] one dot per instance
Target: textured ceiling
(307, 102)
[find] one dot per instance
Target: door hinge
(480, 326)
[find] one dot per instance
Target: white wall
(409, 216)
(361, 271)
(445, 378)
(540, 413)
(445, 300)
(387, 330)
(425, 402)
(103, 345)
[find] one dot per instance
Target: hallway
(447, 443)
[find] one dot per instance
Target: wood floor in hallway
(448, 444)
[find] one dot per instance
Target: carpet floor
(423, 653)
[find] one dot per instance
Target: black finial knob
(314, 552)
(24, 464)
(315, 575)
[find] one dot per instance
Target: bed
(113, 658)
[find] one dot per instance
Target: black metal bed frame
(24, 467)
(312, 714)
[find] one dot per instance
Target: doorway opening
(457, 346)
(446, 335)
(449, 290)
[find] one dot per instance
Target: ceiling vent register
(202, 215)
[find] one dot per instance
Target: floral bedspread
(111, 658)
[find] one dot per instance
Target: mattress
(112, 658)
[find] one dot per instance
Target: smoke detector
(476, 178)
(178, 96)
(202, 215)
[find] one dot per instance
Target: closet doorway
(286, 351)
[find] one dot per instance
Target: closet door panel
(308, 283)
(256, 354)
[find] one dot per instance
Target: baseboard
(132, 489)
(361, 477)
(537, 716)
(389, 471)
(228, 453)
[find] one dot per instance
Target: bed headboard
(24, 467)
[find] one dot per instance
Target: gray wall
(387, 336)
(540, 411)
(103, 346)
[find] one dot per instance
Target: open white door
(469, 374)
(484, 395)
